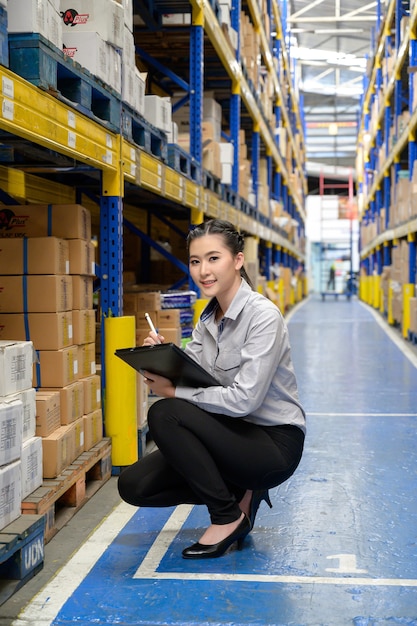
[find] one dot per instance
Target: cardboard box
(82, 292)
(71, 401)
(79, 437)
(66, 221)
(92, 393)
(16, 366)
(38, 255)
(158, 112)
(31, 466)
(93, 428)
(11, 490)
(28, 400)
(141, 301)
(168, 318)
(11, 431)
(170, 335)
(56, 368)
(35, 294)
(48, 412)
(47, 331)
(84, 326)
(58, 451)
(81, 257)
(87, 360)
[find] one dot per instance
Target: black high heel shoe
(203, 551)
(257, 497)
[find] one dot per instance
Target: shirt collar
(236, 306)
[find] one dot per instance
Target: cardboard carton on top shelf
(47, 331)
(36, 255)
(65, 221)
(35, 294)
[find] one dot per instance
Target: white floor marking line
(149, 566)
(161, 544)
(399, 342)
(44, 607)
(287, 580)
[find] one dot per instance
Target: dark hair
(231, 237)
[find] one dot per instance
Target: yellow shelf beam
(34, 115)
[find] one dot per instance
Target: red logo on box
(71, 17)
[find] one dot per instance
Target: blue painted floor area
(340, 545)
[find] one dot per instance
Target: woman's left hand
(159, 385)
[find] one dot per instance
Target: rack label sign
(7, 109)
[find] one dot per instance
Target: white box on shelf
(11, 490)
(16, 366)
(128, 48)
(227, 173)
(128, 85)
(227, 153)
(172, 135)
(105, 17)
(31, 465)
(27, 16)
(140, 90)
(11, 430)
(158, 112)
(90, 51)
(28, 399)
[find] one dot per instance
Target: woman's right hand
(153, 339)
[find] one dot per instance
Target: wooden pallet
(60, 498)
(21, 553)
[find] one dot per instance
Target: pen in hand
(151, 326)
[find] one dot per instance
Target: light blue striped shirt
(249, 353)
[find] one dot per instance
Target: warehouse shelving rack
(389, 148)
(51, 149)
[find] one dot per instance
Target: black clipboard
(167, 359)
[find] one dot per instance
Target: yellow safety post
(377, 291)
(199, 306)
(120, 419)
(408, 292)
(390, 316)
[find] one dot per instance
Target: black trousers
(205, 458)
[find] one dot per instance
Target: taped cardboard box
(35, 294)
(71, 401)
(47, 331)
(66, 221)
(56, 368)
(92, 393)
(82, 292)
(48, 412)
(38, 255)
(84, 326)
(93, 428)
(58, 451)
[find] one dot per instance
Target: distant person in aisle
(331, 286)
(223, 446)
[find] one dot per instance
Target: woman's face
(214, 269)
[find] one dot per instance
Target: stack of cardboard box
(47, 267)
(20, 449)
